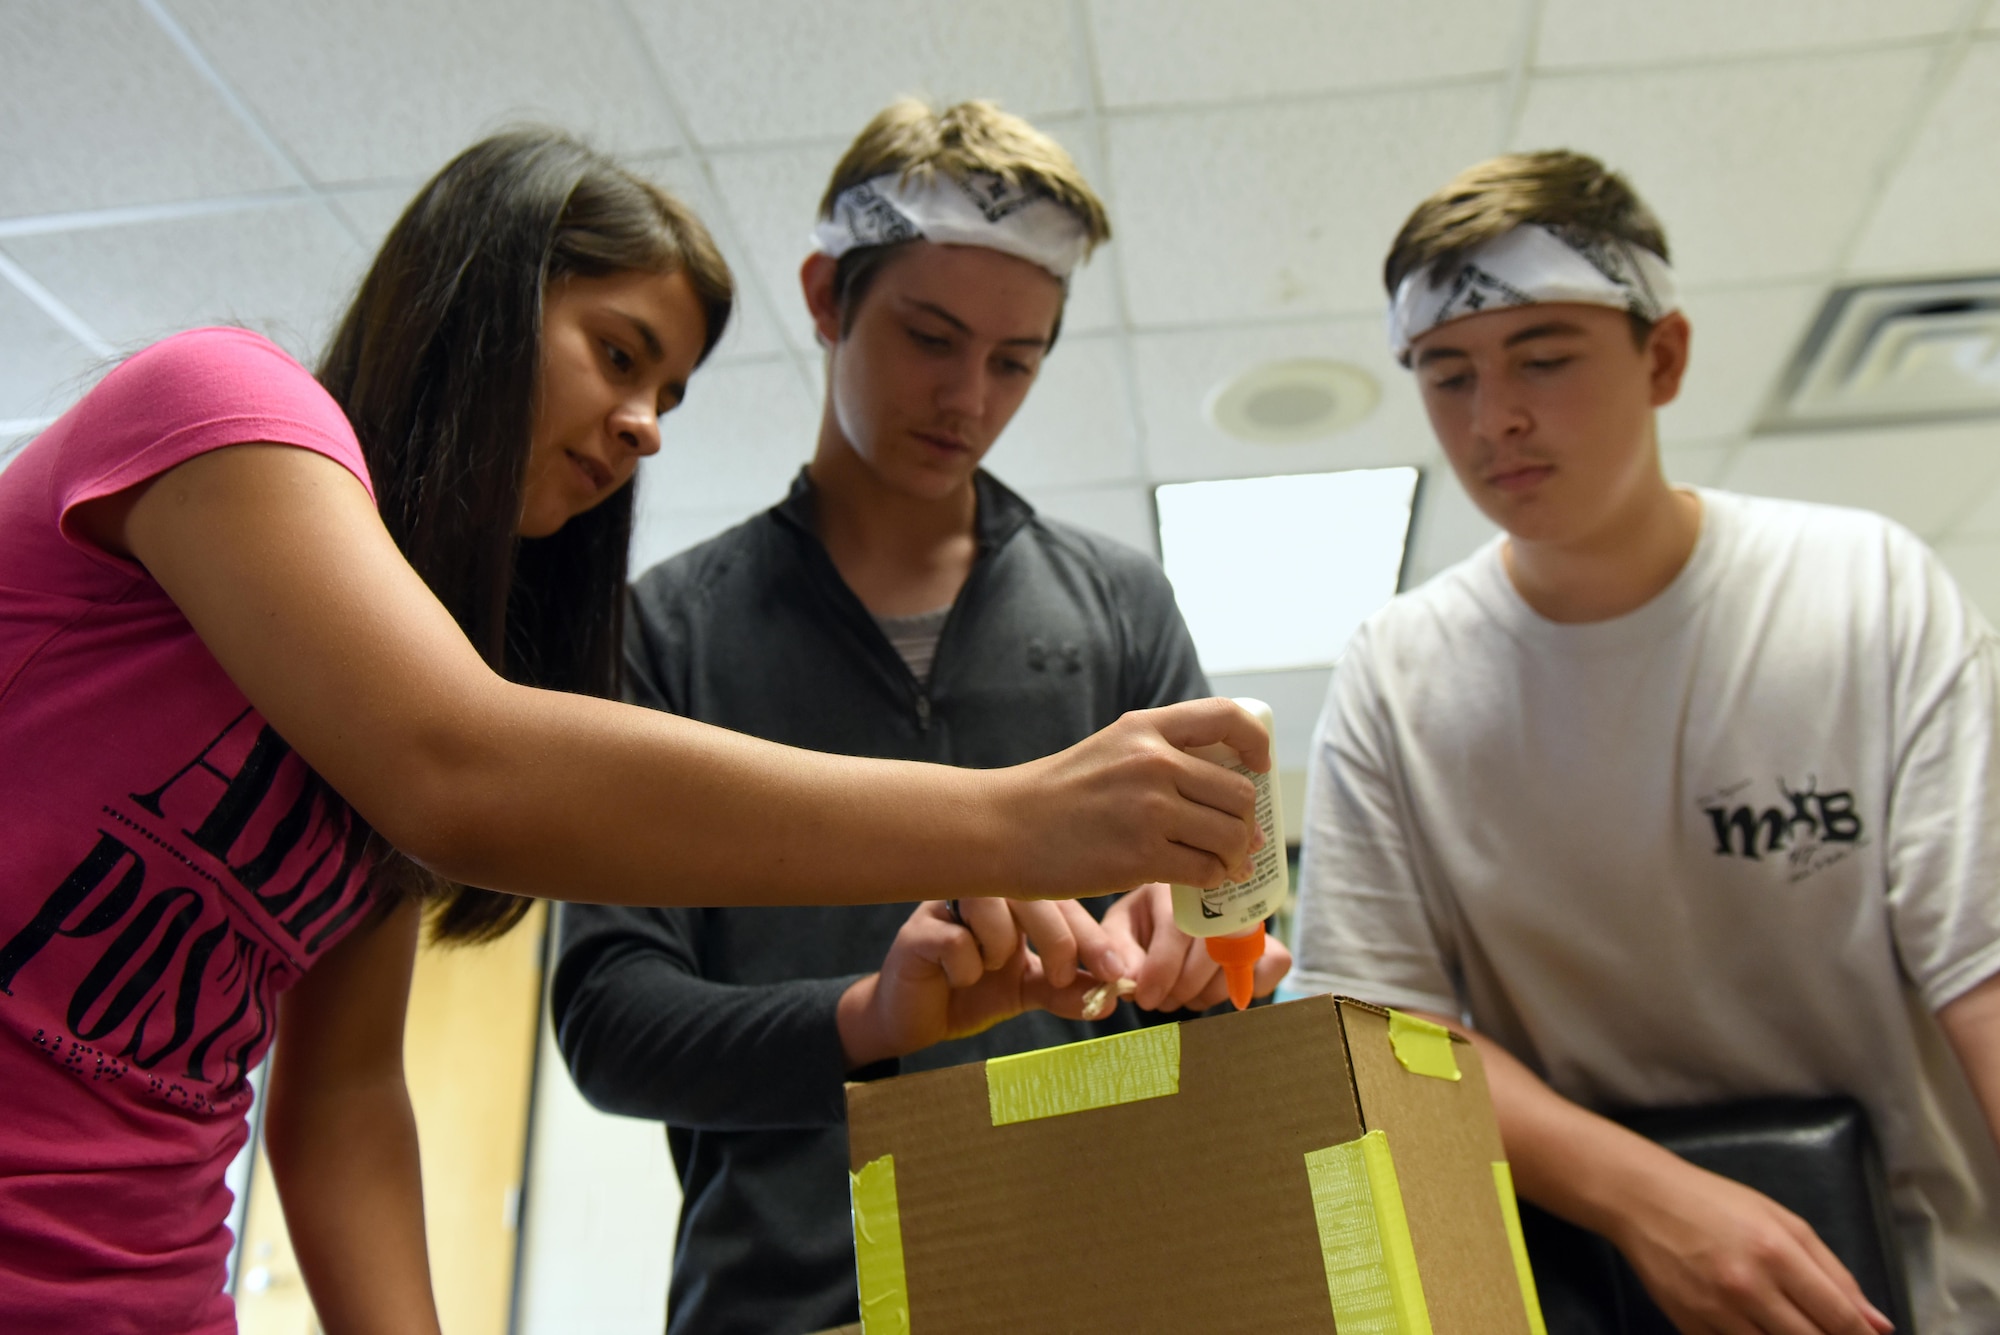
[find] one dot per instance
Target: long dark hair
(436, 364)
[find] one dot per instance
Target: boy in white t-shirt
(1666, 797)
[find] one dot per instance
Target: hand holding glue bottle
(1230, 918)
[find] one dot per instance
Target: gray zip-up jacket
(720, 1022)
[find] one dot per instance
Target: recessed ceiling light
(1282, 403)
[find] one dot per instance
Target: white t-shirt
(1741, 842)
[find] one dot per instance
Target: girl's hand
(1128, 804)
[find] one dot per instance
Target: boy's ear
(1667, 356)
(816, 278)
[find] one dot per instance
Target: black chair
(1815, 1157)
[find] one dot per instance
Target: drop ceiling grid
(1747, 129)
(1927, 479)
(1940, 209)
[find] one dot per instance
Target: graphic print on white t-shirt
(1805, 830)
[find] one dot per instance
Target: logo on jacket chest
(1805, 830)
(1064, 658)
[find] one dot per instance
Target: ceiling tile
(1123, 513)
(1743, 339)
(735, 444)
(370, 211)
(1760, 171)
(287, 272)
(1976, 567)
(107, 112)
(1941, 210)
(1076, 425)
(1281, 210)
(752, 330)
(42, 369)
(1700, 465)
(12, 442)
(658, 532)
(1447, 527)
(1092, 306)
(1982, 521)
(1164, 52)
(1178, 371)
(367, 89)
(1584, 32)
(755, 71)
(771, 197)
(1921, 477)
(811, 367)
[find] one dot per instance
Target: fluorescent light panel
(1278, 572)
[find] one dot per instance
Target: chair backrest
(1815, 1157)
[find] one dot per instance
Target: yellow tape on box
(1364, 1238)
(878, 1249)
(1510, 1214)
(1096, 1073)
(1422, 1047)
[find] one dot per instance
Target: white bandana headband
(981, 211)
(1532, 265)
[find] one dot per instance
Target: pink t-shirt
(169, 865)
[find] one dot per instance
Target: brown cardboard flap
(1445, 1143)
(1190, 1212)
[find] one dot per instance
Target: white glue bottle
(1230, 918)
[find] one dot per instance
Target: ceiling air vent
(1882, 353)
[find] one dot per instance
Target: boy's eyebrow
(1542, 330)
(1546, 329)
(932, 308)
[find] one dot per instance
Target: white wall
(598, 1229)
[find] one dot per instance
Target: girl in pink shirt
(282, 659)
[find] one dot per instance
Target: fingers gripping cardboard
(1191, 1209)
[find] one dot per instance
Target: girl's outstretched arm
(280, 562)
(342, 1140)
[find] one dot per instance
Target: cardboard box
(1221, 1175)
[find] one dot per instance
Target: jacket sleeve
(643, 1032)
(645, 1035)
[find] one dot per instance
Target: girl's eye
(930, 341)
(617, 357)
(1012, 367)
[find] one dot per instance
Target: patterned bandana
(1532, 265)
(982, 210)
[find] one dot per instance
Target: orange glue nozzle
(1238, 955)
